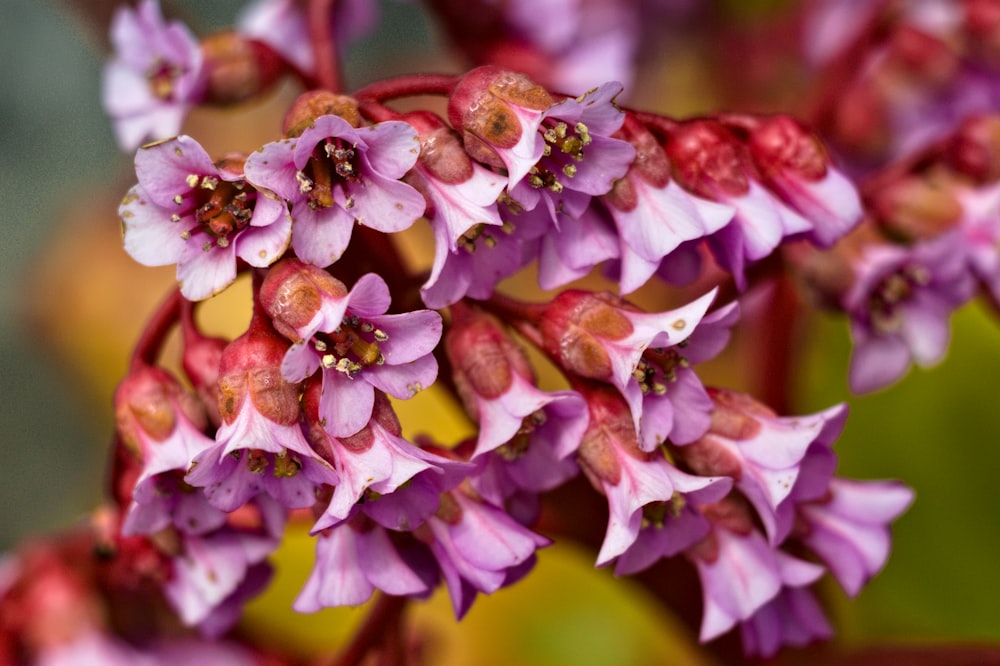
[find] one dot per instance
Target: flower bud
(490, 106)
(200, 360)
(975, 149)
(576, 327)
(146, 409)
(251, 365)
(315, 103)
(913, 207)
(238, 69)
(708, 159)
(441, 151)
(483, 356)
(292, 294)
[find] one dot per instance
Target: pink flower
(346, 336)
(653, 214)
(282, 25)
(154, 77)
(334, 176)
(795, 165)
(740, 574)
(849, 528)
(372, 463)
(354, 559)
(900, 304)
(201, 216)
(633, 480)
(762, 452)
(579, 159)
(163, 427)
(478, 548)
(794, 617)
(497, 385)
(601, 337)
(980, 229)
(260, 446)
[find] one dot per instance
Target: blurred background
(72, 303)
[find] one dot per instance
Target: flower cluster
(296, 418)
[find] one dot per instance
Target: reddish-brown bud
(708, 159)
(921, 56)
(238, 69)
(610, 431)
(483, 356)
(982, 25)
(441, 151)
(292, 293)
(482, 107)
(914, 208)
(781, 145)
(574, 326)
(200, 360)
(315, 103)
(650, 164)
(974, 151)
(146, 404)
(251, 366)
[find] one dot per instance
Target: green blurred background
(72, 303)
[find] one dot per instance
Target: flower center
(563, 150)
(221, 208)
(658, 368)
(353, 346)
(161, 76)
(332, 163)
(894, 289)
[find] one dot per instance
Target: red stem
(407, 86)
(151, 340)
(321, 27)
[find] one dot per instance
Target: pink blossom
(740, 574)
(354, 559)
(849, 529)
(633, 480)
(794, 617)
(201, 216)
(478, 548)
(762, 452)
(357, 347)
(154, 77)
(900, 304)
(334, 176)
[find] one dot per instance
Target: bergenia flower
(348, 337)
(849, 529)
(282, 25)
(632, 479)
(497, 385)
(354, 559)
(980, 230)
(599, 336)
(794, 617)
(478, 548)
(571, 248)
(794, 165)
(201, 216)
(163, 426)
(668, 393)
(334, 176)
(154, 77)
(900, 304)
(654, 215)
(711, 162)
(740, 574)
(760, 450)
(373, 462)
(260, 446)
(579, 159)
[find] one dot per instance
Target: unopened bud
(483, 356)
(922, 56)
(780, 145)
(913, 208)
(238, 69)
(251, 366)
(146, 404)
(441, 151)
(293, 292)
(315, 103)
(650, 165)
(575, 327)
(975, 149)
(708, 159)
(484, 106)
